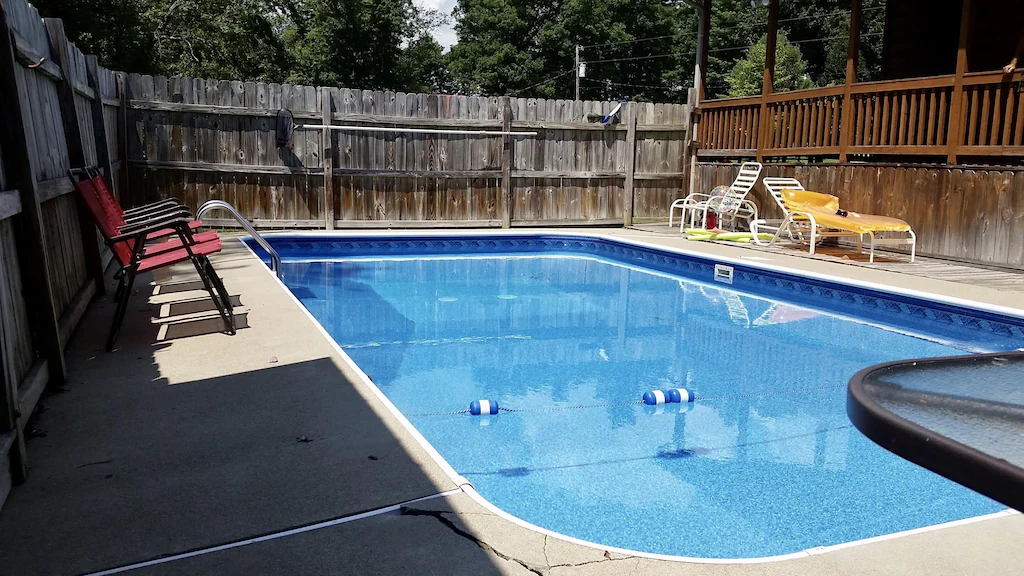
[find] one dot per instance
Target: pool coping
(467, 487)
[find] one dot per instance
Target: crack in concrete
(448, 523)
(591, 562)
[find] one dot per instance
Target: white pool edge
(467, 487)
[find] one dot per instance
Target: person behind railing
(1017, 55)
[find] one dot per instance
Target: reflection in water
(751, 471)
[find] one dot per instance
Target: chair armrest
(161, 205)
(169, 216)
(695, 195)
(175, 210)
(140, 230)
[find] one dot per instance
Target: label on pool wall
(723, 273)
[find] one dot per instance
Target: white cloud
(445, 35)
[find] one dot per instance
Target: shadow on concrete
(128, 467)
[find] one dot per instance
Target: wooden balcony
(982, 117)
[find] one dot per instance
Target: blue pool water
(765, 462)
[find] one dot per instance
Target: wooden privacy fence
(960, 213)
(196, 140)
(59, 110)
(980, 115)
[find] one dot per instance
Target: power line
(739, 25)
(833, 38)
(662, 86)
(796, 18)
(726, 49)
(545, 81)
(633, 41)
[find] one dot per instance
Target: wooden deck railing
(901, 117)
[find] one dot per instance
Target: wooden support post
(846, 120)
(122, 137)
(627, 189)
(20, 170)
(703, 39)
(506, 163)
(958, 120)
(693, 144)
(99, 130)
(60, 50)
(99, 127)
(768, 82)
(327, 156)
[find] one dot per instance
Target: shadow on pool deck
(161, 448)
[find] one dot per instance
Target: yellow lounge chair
(818, 213)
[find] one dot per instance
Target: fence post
(692, 120)
(327, 157)
(122, 137)
(20, 170)
(99, 126)
(506, 163)
(73, 136)
(627, 189)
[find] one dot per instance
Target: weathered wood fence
(58, 109)
(958, 212)
(196, 140)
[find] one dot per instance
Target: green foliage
(637, 49)
(507, 46)
(747, 75)
(358, 43)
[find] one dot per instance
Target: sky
(445, 35)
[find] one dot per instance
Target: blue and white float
(478, 407)
(680, 396)
(671, 396)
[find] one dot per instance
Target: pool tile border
(899, 311)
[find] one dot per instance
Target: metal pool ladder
(275, 258)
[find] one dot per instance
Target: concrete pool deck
(174, 446)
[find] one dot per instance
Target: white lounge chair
(731, 205)
(814, 223)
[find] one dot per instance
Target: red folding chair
(127, 235)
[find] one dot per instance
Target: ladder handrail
(275, 258)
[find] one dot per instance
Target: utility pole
(577, 71)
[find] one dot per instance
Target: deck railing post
(846, 119)
(20, 170)
(60, 49)
(767, 85)
(627, 189)
(957, 119)
(327, 157)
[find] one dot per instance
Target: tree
(497, 50)
(747, 75)
(528, 47)
(423, 67)
(231, 39)
(118, 31)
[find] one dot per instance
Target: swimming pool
(570, 331)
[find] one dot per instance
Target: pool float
(699, 234)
